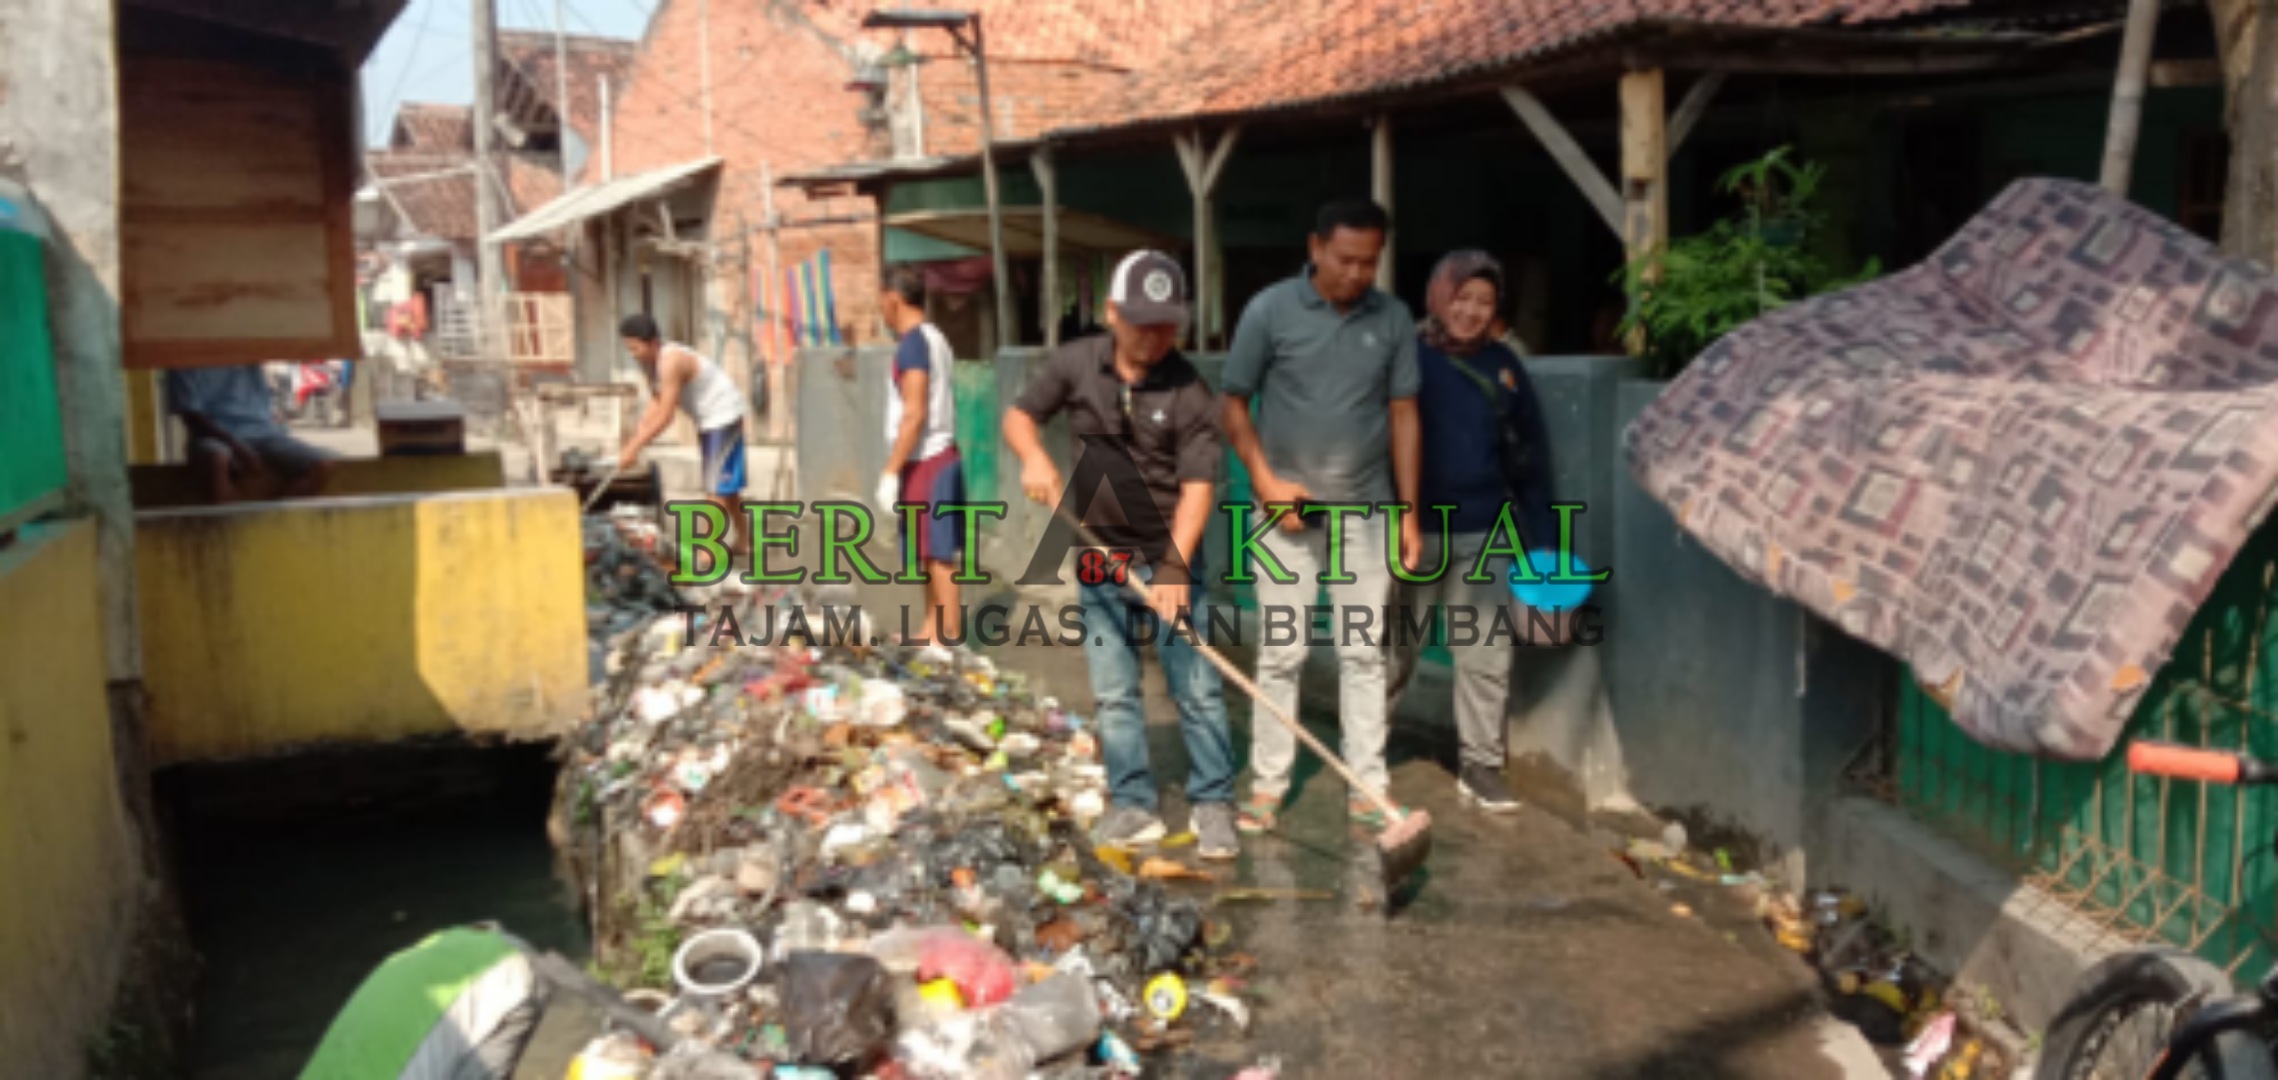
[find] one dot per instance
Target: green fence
(31, 427)
(978, 438)
(2151, 859)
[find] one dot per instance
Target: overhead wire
(419, 38)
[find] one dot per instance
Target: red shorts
(934, 481)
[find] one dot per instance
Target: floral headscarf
(1457, 268)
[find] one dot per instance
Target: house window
(2206, 170)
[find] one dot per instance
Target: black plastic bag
(838, 1009)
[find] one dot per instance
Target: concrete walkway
(1528, 951)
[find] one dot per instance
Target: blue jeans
(1112, 616)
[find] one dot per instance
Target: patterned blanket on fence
(2019, 466)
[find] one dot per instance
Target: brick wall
(780, 98)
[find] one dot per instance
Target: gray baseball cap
(1149, 289)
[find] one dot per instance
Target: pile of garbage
(820, 856)
(1932, 1029)
(1895, 999)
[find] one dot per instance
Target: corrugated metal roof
(603, 198)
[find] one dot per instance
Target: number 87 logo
(1096, 567)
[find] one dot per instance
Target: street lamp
(958, 24)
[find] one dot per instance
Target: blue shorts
(724, 460)
(936, 480)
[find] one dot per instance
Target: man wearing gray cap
(1146, 429)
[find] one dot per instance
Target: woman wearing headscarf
(1484, 449)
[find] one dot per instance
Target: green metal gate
(2150, 859)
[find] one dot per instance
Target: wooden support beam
(1048, 185)
(1380, 188)
(1645, 174)
(2169, 74)
(1204, 164)
(2128, 96)
(1689, 111)
(1569, 154)
(1789, 59)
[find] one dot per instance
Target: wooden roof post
(1048, 185)
(2128, 96)
(1645, 174)
(1203, 171)
(1380, 188)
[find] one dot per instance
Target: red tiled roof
(531, 55)
(1275, 53)
(437, 191)
(427, 126)
(1112, 33)
(1118, 33)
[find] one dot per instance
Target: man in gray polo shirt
(1332, 364)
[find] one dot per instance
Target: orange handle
(2184, 762)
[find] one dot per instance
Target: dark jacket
(1479, 453)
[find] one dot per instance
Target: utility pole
(1008, 331)
(561, 93)
(489, 268)
(608, 159)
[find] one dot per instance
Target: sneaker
(1215, 836)
(1128, 826)
(1486, 789)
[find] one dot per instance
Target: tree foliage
(1703, 286)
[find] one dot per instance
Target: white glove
(889, 493)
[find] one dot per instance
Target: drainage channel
(299, 875)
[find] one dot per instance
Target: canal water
(299, 876)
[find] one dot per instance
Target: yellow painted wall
(143, 421)
(68, 872)
(273, 626)
(159, 487)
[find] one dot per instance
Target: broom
(1407, 838)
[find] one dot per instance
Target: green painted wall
(903, 245)
(979, 427)
(31, 424)
(2064, 136)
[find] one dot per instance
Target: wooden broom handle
(1234, 675)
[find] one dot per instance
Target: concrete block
(272, 626)
(158, 487)
(1962, 913)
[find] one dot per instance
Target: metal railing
(2147, 859)
(528, 328)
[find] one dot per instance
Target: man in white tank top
(681, 378)
(922, 465)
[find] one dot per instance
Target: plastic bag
(838, 1008)
(967, 1046)
(1055, 1016)
(698, 1064)
(982, 972)
(899, 949)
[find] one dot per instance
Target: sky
(427, 54)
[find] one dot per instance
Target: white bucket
(714, 953)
